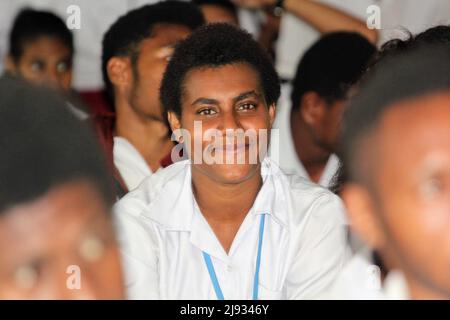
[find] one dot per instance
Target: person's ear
(362, 215)
(175, 125)
(119, 71)
(10, 65)
(272, 113)
(312, 108)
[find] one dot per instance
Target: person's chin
(236, 173)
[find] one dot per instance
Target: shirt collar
(395, 286)
(174, 207)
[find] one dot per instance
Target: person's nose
(53, 79)
(229, 122)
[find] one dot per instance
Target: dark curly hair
(213, 46)
(126, 34)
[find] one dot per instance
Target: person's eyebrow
(205, 101)
(246, 95)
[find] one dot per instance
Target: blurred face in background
(323, 119)
(154, 55)
(45, 61)
(60, 246)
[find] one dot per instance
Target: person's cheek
(105, 277)
(66, 81)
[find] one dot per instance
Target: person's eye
(166, 53)
(206, 112)
(92, 248)
(432, 188)
(62, 67)
(168, 57)
(37, 66)
(247, 106)
(26, 276)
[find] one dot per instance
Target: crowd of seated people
(202, 170)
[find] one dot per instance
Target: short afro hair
(126, 34)
(331, 66)
(30, 25)
(213, 46)
(43, 146)
(421, 70)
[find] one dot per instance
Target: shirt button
(229, 268)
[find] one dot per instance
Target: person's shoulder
(358, 280)
(306, 192)
(140, 199)
(309, 200)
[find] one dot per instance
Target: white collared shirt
(129, 162)
(283, 143)
(361, 280)
(162, 235)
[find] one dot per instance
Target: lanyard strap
(212, 272)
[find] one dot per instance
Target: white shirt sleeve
(322, 249)
(139, 253)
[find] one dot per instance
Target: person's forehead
(226, 80)
(65, 209)
(46, 41)
(413, 128)
(416, 114)
(164, 34)
(47, 46)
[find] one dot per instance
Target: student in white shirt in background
(303, 21)
(201, 229)
(309, 114)
(136, 50)
(396, 154)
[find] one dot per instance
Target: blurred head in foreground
(56, 238)
(396, 149)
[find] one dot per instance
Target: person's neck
(313, 157)
(225, 206)
(148, 135)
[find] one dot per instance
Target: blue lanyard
(212, 272)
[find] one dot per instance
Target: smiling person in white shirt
(234, 231)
